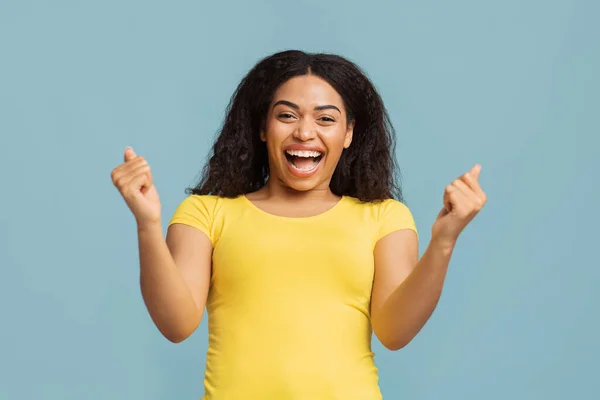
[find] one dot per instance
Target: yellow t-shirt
(289, 300)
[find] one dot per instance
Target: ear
(263, 134)
(349, 133)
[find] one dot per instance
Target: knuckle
(117, 170)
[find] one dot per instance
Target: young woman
(295, 240)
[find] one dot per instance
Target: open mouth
(303, 160)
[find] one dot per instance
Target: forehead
(308, 90)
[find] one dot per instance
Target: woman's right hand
(133, 179)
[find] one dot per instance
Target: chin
(301, 185)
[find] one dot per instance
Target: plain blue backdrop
(513, 85)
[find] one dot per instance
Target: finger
(123, 179)
(460, 203)
(472, 200)
(135, 186)
(464, 189)
(447, 203)
(143, 181)
(454, 197)
(133, 175)
(134, 163)
(129, 154)
(127, 167)
(149, 181)
(474, 186)
(476, 170)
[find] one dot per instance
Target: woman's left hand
(463, 199)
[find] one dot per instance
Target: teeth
(307, 169)
(304, 153)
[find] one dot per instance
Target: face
(306, 130)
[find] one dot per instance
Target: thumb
(475, 171)
(129, 154)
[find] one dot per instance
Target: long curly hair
(238, 163)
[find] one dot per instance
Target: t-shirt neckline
(323, 214)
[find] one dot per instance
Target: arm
(174, 277)
(405, 292)
(174, 274)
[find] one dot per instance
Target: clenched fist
(463, 199)
(133, 179)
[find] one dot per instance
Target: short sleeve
(394, 216)
(197, 211)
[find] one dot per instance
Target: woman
(295, 239)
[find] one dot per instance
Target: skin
(174, 274)
(306, 110)
(406, 291)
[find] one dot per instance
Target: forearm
(411, 304)
(166, 295)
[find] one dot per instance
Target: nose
(305, 130)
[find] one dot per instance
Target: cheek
(272, 135)
(335, 143)
(277, 131)
(275, 134)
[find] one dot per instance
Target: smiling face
(306, 130)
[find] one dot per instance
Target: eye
(326, 119)
(286, 115)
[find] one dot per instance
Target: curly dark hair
(238, 162)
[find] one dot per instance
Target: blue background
(513, 85)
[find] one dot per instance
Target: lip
(304, 174)
(306, 147)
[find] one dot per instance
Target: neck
(276, 190)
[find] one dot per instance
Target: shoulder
(201, 210)
(386, 215)
(389, 207)
(380, 209)
(196, 200)
(206, 203)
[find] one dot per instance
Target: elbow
(180, 331)
(176, 337)
(178, 334)
(395, 345)
(392, 341)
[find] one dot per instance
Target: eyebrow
(297, 107)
